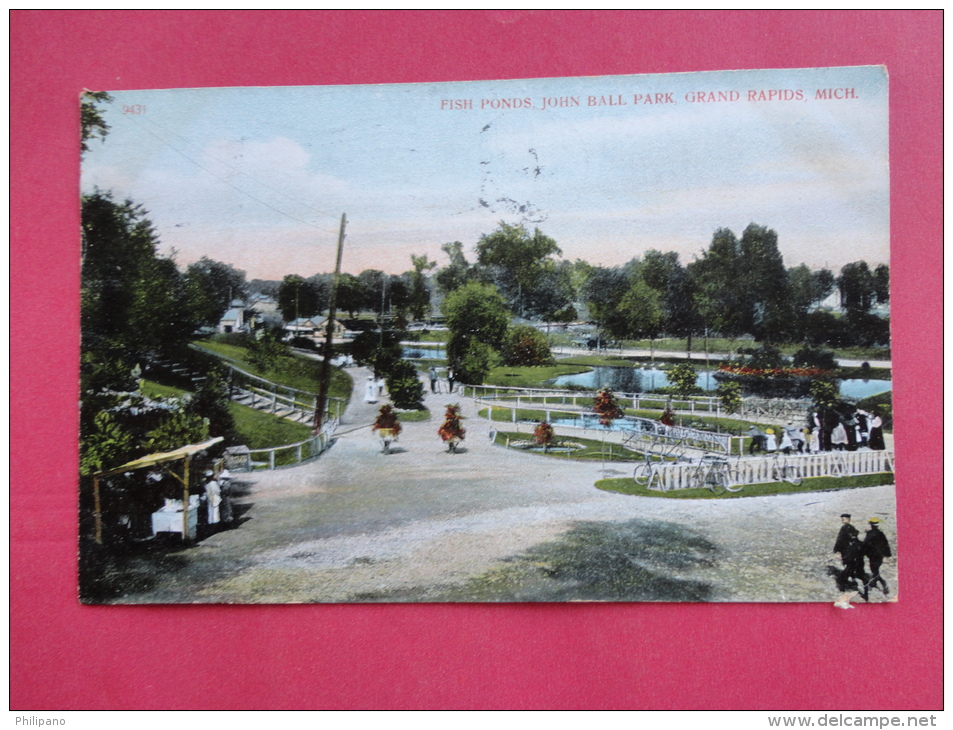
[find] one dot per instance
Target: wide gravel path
(420, 523)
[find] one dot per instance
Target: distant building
(233, 320)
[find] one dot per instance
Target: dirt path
(422, 524)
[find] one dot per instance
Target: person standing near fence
(877, 433)
(450, 379)
(433, 379)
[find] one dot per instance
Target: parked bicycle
(717, 474)
(786, 470)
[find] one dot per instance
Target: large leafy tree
(716, 278)
(857, 287)
(419, 291)
(212, 286)
(133, 301)
(663, 273)
(477, 317)
(456, 273)
(298, 297)
(515, 261)
(766, 308)
(92, 123)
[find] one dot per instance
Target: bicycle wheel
(792, 474)
(732, 483)
(642, 475)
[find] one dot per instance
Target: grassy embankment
(256, 430)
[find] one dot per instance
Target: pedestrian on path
(450, 380)
(876, 548)
(370, 390)
(433, 379)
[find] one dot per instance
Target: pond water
(641, 380)
(411, 352)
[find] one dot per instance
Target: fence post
(271, 459)
(299, 453)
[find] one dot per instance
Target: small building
(233, 320)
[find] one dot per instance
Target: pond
(642, 380)
(416, 352)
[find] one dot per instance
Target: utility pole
(328, 346)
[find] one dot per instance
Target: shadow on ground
(637, 560)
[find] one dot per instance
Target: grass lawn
(263, 431)
(818, 484)
(256, 430)
(530, 377)
(410, 416)
(591, 448)
(295, 372)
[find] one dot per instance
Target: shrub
(405, 388)
(814, 357)
(526, 346)
(684, 378)
(730, 396)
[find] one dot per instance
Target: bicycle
(646, 475)
(782, 471)
(717, 474)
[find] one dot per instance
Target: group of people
(824, 432)
(218, 497)
(436, 383)
(852, 550)
(373, 389)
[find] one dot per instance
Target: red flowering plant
(544, 435)
(450, 430)
(387, 421)
(387, 426)
(607, 407)
(774, 372)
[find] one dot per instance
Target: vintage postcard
(578, 339)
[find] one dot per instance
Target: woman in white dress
(370, 390)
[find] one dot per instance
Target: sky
(259, 177)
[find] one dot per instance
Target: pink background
(620, 656)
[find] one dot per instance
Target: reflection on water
(643, 380)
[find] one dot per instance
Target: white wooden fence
(245, 459)
(758, 470)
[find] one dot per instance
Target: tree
(211, 401)
(404, 386)
(133, 302)
(515, 260)
(526, 346)
(882, 284)
(856, 284)
(92, 124)
(211, 287)
(419, 291)
(298, 297)
(766, 310)
(716, 276)
(477, 318)
(601, 292)
(350, 294)
(663, 273)
(684, 378)
(730, 396)
(455, 274)
(639, 313)
(266, 350)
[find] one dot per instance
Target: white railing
(245, 459)
(640, 433)
(759, 470)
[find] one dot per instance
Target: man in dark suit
(876, 548)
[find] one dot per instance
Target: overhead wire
(235, 187)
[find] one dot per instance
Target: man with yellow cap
(876, 548)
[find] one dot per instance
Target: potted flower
(450, 430)
(387, 426)
(544, 435)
